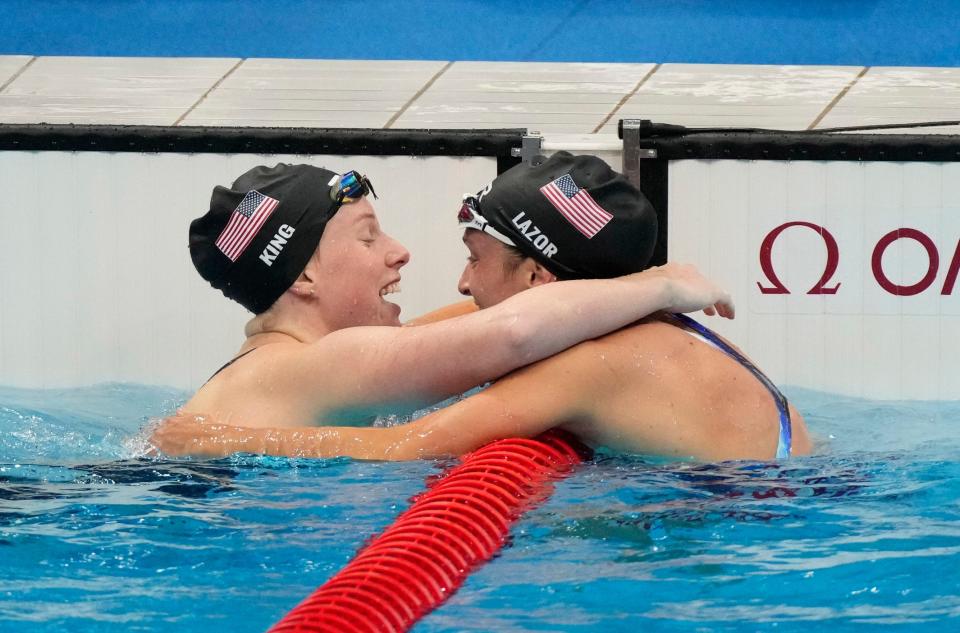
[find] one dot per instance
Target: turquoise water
(867, 533)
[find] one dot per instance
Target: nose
(397, 255)
(464, 284)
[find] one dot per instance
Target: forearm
(387, 444)
(440, 434)
(550, 318)
(555, 316)
(433, 437)
(452, 431)
(383, 444)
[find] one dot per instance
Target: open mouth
(391, 289)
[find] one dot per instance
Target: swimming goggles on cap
(350, 187)
(469, 218)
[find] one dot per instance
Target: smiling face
(354, 267)
(493, 272)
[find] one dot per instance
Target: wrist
(662, 291)
(253, 441)
(273, 442)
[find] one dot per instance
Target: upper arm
(526, 403)
(379, 368)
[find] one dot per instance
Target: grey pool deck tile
(900, 95)
(276, 118)
(552, 98)
(64, 110)
(785, 97)
(109, 89)
(152, 91)
(563, 97)
(10, 65)
(342, 93)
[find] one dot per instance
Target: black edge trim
(250, 140)
(778, 145)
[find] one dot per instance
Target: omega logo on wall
(826, 285)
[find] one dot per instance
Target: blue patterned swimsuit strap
(785, 440)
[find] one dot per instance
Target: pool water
(866, 533)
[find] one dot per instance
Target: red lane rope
(452, 528)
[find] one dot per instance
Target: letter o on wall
(933, 258)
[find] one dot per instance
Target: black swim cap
(259, 234)
(574, 215)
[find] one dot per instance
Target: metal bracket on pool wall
(531, 145)
(651, 179)
(632, 152)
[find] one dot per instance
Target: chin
(482, 303)
(391, 316)
(388, 317)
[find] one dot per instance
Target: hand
(689, 291)
(187, 434)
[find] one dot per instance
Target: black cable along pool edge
(497, 143)
(679, 143)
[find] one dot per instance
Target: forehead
(479, 241)
(357, 211)
(349, 219)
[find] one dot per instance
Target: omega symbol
(766, 261)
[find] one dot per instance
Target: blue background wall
(855, 32)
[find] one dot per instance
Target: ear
(537, 275)
(304, 286)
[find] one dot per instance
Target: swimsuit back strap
(785, 439)
(230, 362)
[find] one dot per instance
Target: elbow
(519, 336)
(410, 453)
(401, 452)
(419, 440)
(404, 444)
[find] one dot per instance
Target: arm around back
(524, 404)
(376, 366)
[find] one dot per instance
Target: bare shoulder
(253, 390)
(648, 336)
(294, 384)
(652, 339)
(588, 366)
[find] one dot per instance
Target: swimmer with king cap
(302, 249)
(665, 385)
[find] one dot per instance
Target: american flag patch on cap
(576, 205)
(244, 223)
